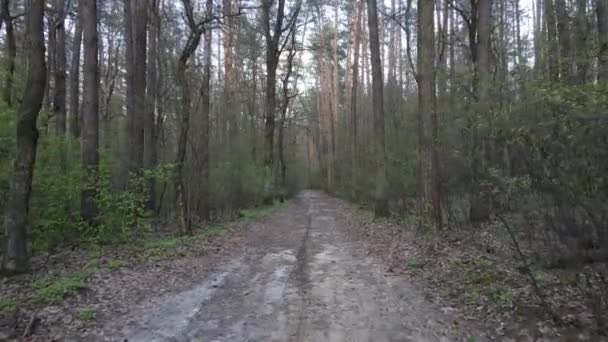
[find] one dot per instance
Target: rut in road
(301, 277)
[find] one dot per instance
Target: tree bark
(429, 204)
(194, 38)
(582, 34)
(354, 97)
(59, 101)
(205, 93)
(11, 52)
(553, 47)
(602, 29)
(139, 31)
(15, 259)
(381, 187)
(90, 111)
(74, 116)
(563, 32)
(150, 144)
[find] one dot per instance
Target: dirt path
(300, 277)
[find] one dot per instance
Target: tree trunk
(90, 110)
(59, 101)
(15, 259)
(381, 187)
(602, 29)
(150, 144)
(11, 52)
(553, 48)
(429, 204)
(205, 93)
(563, 32)
(139, 22)
(74, 117)
(354, 96)
(192, 43)
(480, 204)
(582, 34)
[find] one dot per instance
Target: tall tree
(90, 110)
(429, 204)
(11, 51)
(150, 143)
(205, 93)
(354, 95)
(273, 32)
(74, 114)
(552, 42)
(139, 30)
(59, 100)
(480, 209)
(15, 257)
(602, 29)
(381, 187)
(194, 38)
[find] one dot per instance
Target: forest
(478, 121)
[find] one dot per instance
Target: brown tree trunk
(150, 144)
(553, 47)
(74, 116)
(582, 34)
(205, 93)
(381, 187)
(354, 97)
(480, 204)
(429, 204)
(15, 259)
(563, 32)
(11, 52)
(194, 38)
(139, 31)
(59, 101)
(602, 30)
(90, 110)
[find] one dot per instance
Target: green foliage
(7, 306)
(55, 291)
(86, 314)
(115, 264)
(416, 263)
(124, 213)
(239, 184)
(55, 200)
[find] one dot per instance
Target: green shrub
(86, 314)
(55, 291)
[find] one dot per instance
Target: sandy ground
(299, 276)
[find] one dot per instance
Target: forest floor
(315, 269)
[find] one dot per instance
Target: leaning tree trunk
(15, 258)
(90, 111)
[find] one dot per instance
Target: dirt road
(300, 277)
